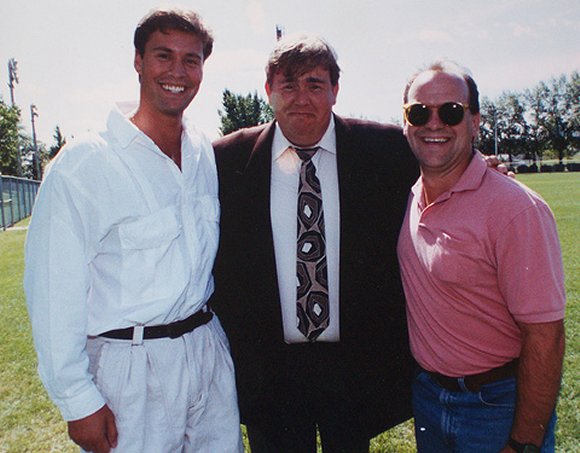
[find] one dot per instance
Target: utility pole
(33, 114)
(12, 77)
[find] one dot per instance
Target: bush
(559, 167)
(573, 166)
(533, 168)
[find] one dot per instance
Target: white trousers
(170, 395)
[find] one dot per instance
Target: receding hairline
(451, 68)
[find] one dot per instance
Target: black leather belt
(173, 330)
(474, 382)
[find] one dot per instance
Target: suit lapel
(257, 175)
(349, 194)
(257, 178)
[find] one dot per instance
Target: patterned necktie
(312, 283)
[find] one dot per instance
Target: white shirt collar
(126, 132)
(281, 143)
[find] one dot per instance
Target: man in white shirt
(119, 260)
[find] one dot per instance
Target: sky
(75, 57)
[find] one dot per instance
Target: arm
(56, 282)
(539, 375)
(96, 433)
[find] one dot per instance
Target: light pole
(33, 114)
(12, 77)
(495, 131)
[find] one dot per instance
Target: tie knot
(306, 153)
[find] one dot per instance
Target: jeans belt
(173, 330)
(474, 382)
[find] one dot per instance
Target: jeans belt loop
(462, 385)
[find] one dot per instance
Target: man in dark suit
(338, 362)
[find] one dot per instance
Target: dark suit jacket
(375, 171)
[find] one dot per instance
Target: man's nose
(434, 121)
(302, 96)
(178, 67)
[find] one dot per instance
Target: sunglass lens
(418, 114)
(451, 113)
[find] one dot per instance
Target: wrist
(520, 447)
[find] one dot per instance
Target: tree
(243, 111)
(503, 121)
(573, 95)
(9, 139)
(537, 137)
(512, 126)
(59, 142)
(555, 110)
(486, 139)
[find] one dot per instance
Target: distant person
(483, 277)
(119, 260)
(315, 314)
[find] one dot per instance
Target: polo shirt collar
(471, 179)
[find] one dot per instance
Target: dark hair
(294, 56)
(163, 19)
(451, 68)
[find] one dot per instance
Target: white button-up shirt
(284, 210)
(119, 237)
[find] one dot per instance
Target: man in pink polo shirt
(482, 272)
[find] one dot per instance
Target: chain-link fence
(17, 199)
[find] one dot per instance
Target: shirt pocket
(207, 209)
(458, 260)
(153, 265)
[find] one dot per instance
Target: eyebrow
(168, 49)
(309, 80)
(315, 80)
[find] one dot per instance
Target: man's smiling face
(170, 71)
(439, 147)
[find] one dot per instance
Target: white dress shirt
(284, 200)
(119, 237)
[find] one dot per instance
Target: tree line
(17, 150)
(537, 123)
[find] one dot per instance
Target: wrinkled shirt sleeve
(56, 283)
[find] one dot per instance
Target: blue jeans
(462, 422)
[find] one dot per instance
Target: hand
(96, 433)
(495, 163)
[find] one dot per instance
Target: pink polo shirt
(479, 258)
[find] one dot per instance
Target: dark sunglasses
(450, 113)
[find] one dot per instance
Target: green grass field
(29, 422)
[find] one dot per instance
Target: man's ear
(138, 62)
(268, 88)
(475, 120)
